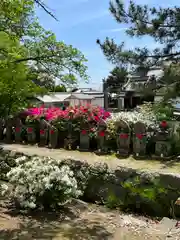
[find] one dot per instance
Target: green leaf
(31, 58)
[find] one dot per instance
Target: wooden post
(84, 140)
(68, 141)
(43, 132)
(53, 137)
(18, 130)
(9, 130)
(101, 136)
(31, 134)
(1, 128)
(162, 137)
(123, 138)
(105, 90)
(139, 139)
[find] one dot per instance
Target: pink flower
(96, 118)
(77, 113)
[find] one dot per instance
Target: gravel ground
(90, 157)
(77, 221)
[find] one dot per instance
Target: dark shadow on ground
(85, 230)
(102, 153)
(59, 225)
(170, 163)
(121, 156)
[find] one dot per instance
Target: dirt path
(81, 221)
(78, 221)
(112, 161)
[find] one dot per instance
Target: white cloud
(115, 29)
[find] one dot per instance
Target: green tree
(42, 79)
(59, 88)
(15, 86)
(161, 24)
(31, 58)
(116, 79)
(55, 58)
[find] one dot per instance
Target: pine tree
(116, 79)
(162, 24)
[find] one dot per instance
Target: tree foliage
(116, 79)
(59, 88)
(31, 58)
(15, 86)
(162, 24)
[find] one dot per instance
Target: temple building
(139, 88)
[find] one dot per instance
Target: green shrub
(140, 197)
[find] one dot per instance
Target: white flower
(143, 114)
(33, 178)
(4, 189)
(21, 160)
(32, 205)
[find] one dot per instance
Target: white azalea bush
(143, 113)
(41, 182)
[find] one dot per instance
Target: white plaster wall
(73, 101)
(76, 101)
(98, 102)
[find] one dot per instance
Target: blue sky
(81, 22)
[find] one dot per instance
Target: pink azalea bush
(79, 115)
(87, 112)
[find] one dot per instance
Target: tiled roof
(61, 96)
(158, 73)
(93, 92)
(54, 97)
(133, 85)
(88, 91)
(81, 96)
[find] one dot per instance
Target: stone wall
(140, 191)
